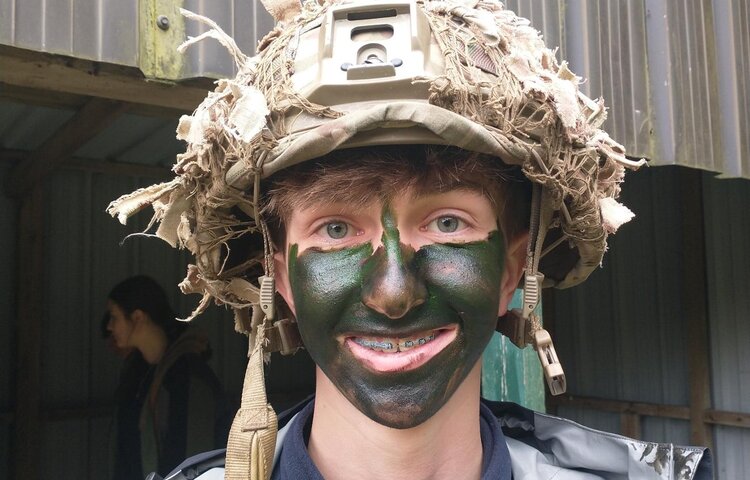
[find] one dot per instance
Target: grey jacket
(542, 447)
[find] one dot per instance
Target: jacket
(542, 447)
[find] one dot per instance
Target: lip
(383, 362)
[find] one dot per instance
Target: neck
(446, 446)
(153, 344)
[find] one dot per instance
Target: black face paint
(395, 292)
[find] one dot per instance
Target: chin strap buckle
(283, 337)
(553, 371)
(522, 327)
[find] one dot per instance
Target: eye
(446, 224)
(335, 230)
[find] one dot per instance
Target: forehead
(358, 177)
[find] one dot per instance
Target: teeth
(394, 345)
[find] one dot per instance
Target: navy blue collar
(295, 463)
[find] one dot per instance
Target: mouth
(400, 354)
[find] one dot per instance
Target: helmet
(336, 74)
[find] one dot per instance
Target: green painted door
(512, 374)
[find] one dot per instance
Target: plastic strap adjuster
(551, 365)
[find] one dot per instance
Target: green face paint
(438, 303)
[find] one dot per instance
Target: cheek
(467, 277)
(324, 285)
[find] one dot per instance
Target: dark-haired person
(177, 406)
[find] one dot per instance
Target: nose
(391, 285)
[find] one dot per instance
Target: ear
(283, 286)
(515, 261)
(138, 317)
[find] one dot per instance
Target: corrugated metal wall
(674, 73)
(7, 310)
(109, 31)
(92, 29)
(84, 260)
(621, 334)
(728, 258)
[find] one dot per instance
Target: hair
(357, 176)
(143, 293)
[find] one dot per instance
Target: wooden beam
(56, 73)
(92, 118)
(118, 168)
(62, 100)
(695, 303)
(619, 406)
(30, 301)
(713, 417)
(630, 425)
(730, 419)
(98, 166)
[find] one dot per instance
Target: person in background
(169, 402)
(127, 461)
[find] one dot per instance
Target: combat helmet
(337, 74)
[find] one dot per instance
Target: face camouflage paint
(397, 330)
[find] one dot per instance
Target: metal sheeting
(728, 259)
(92, 29)
(245, 20)
(620, 334)
(84, 260)
(109, 31)
(674, 74)
(7, 309)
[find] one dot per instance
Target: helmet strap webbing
(523, 326)
(252, 438)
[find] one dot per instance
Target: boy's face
(396, 301)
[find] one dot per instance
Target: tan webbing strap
(252, 438)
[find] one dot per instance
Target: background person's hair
(143, 293)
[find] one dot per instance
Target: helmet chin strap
(523, 326)
(252, 438)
